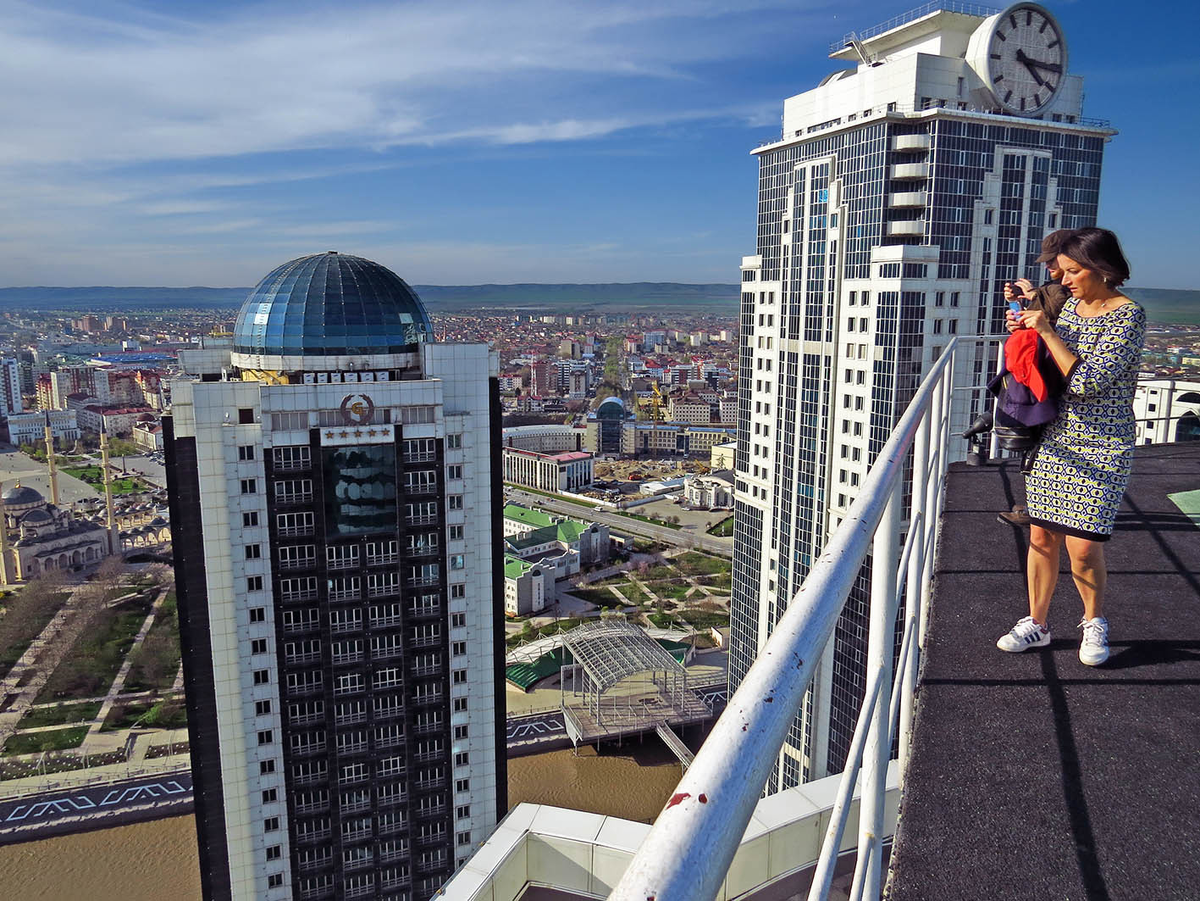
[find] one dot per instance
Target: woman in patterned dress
(1082, 465)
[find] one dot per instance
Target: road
(625, 524)
(148, 797)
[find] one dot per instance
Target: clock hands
(1033, 65)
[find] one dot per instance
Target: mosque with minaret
(39, 535)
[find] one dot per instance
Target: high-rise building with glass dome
(334, 483)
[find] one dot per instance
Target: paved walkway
(1033, 776)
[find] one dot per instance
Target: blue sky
(464, 142)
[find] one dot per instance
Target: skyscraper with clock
(334, 485)
(905, 189)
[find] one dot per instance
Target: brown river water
(157, 861)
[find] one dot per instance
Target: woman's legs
(1041, 569)
(1089, 572)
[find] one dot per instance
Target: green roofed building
(556, 541)
(528, 587)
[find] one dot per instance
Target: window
(458, 591)
(937, 326)
(458, 648)
(988, 215)
(265, 767)
(255, 583)
(270, 824)
(462, 758)
(250, 519)
(454, 442)
(245, 451)
(462, 811)
(460, 705)
(953, 298)
(952, 326)
(253, 552)
(292, 458)
(458, 620)
(258, 614)
(273, 851)
(258, 646)
(462, 785)
(457, 561)
(262, 676)
(271, 794)
(249, 486)
(459, 676)
(454, 472)
(464, 838)
(454, 533)
(454, 502)
(246, 416)
(262, 708)
(460, 732)
(275, 880)
(939, 299)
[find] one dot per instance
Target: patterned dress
(1082, 465)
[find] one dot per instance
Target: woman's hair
(1052, 244)
(1099, 250)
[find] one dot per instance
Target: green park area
(51, 740)
(94, 476)
(90, 669)
(60, 714)
(722, 529)
(26, 612)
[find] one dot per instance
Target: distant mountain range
(1164, 305)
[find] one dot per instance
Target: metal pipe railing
(687, 852)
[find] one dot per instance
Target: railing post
(885, 551)
(939, 409)
(913, 580)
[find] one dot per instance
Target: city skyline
(529, 144)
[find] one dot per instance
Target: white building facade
(904, 191)
(337, 548)
(564, 471)
(1167, 410)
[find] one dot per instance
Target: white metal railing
(687, 852)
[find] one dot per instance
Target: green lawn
(662, 620)
(157, 661)
(92, 664)
(601, 597)
(722, 529)
(721, 582)
(660, 571)
(151, 714)
(676, 590)
(54, 740)
(693, 563)
(565, 624)
(704, 619)
(26, 615)
(94, 476)
(60, 714)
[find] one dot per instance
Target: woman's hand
(1011, 322)
(1025, 286)
(1036, 320)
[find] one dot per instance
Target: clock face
(1026, 58)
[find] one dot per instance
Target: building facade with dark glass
(897, 203)
(341, 616)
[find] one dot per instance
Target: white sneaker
(1093, 650)
(1025, 634)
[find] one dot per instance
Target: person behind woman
(1050, 298)
(1082, 466)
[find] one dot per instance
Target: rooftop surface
(1032, 775)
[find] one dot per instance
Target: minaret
(114, 540)
(50, 460)
(3, 540)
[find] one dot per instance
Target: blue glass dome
(331, 304)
